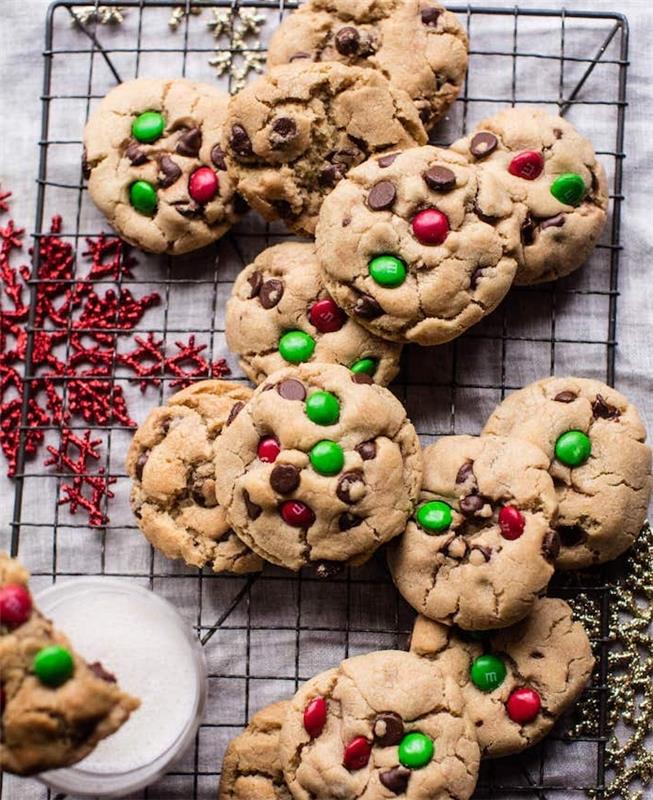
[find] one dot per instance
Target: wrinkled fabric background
(241, 665)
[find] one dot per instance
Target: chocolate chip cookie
(411, 251)
(558, 188)
(417, 45)
(320, 468)
(251, 769)
(517, 682)
(293, 133)
(480, 548)
(55, 707)
(172, 463)
(155, 166)
(280, 313)
(594, 440)
(380, 725)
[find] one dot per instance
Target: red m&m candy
(511, 522)
(430, 226)
(357, 753)
(15, 605)
(523, 705)
(203, 185)
(315, 715)
(297, 514)
(268, 449)
(527, 165)
(327, 316)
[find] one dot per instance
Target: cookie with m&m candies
(480, 547)
(319, 468)
(280, 314)
(595, 443)
(408, 253)
(555, 184)
(390, 724)
(518, 681)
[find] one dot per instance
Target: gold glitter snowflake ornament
(104, 15)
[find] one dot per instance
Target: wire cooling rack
(264, 634)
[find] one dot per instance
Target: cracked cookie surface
(417, 45)
(293, 133)
(279, 307)
(480, 548)
(603, 493)
(527, 152)
(45, 726)
(251, 769)
(178, 178)
(375, 708)
(172, 463)
(320, 466)
(409, 252)
(548, 663)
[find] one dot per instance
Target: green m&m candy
(296, 346)
(488, 672)
(434, 516)
(327, 457)
(142, 195)
(53, 665)
(415, 750)
(148, 126)
(323, 408)
(568, 188)
(365, 366)
(388, 271)
(573, 448)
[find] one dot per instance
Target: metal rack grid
(264, 634)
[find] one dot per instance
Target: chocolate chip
(472, 503)
(346, 221)
(440, 179)
(140, 464)
(430, 16)
(284, 128)
(483, 143)
(367, 307)
(241, 206)
(217, 157)
(602, 409)
(482, 216)
(381, 196)
(465, 472)
(327, 569)
(344, 156)
(240, 141)
(486, 552)
(366, 450)
(187, 208)
(171, 172)
(330, 174)
(189, 143)
(385, 161)
(347, 40)
(527, 231)
(348, 484)
(347, 521)
(135, 155)
(236, 408)
(100, 672)
(255, 280)
(388, 729)
(551, 546)
(553, 222)
(298, 55)
(253, 510)
(565, 397)
(270, 293)
(396, 779)
(291, 389)
(557, 133)
(361, 377)
(284, 478)
(86, 169)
